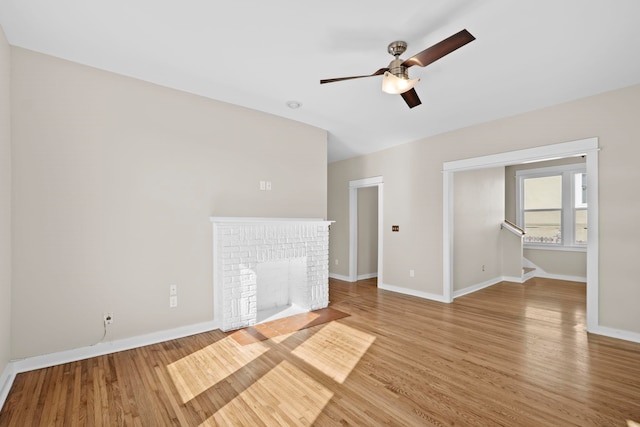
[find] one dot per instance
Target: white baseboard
(513, 279)
(47, 360)
(6, 381)
(616, 333)
(412, 292)
(477, 287)
(367, 276)
(52, 359)
(339, 277)
(546, 275)
(539, 272)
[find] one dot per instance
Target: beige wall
(418, 245)
(367, 231)
(565, 263)
(511, 255)
(478, 212)
(5, 204)
(338, 211)
(114, 183)
(413, 192)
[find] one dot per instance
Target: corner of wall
(6, 375)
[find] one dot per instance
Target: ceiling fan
(395, 78)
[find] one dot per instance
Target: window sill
(556, 248)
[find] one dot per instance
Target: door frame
(587, 147)
(376, 181)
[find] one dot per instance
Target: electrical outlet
(173, 290)
(173, 301)
(336, 261)
(483, 267)
(268, 185)
(108, 318)
(412, 273)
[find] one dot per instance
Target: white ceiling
(261, 54)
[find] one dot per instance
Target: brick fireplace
(267, 268)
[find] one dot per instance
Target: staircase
(522, 269)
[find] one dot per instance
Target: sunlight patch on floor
(542, 314)
(281, 338)
(286, 396)
(203, 369)
(335, 350)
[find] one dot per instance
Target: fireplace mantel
(266, 268)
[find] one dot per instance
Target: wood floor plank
(511, 355)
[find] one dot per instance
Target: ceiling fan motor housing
(397, 69)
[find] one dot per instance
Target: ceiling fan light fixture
(395, 85)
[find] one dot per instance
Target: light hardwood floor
(509, 355)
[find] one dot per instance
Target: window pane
(543, 193)
(581, 226)
(543, 227)
(580, 180)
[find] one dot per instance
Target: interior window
(552, 206)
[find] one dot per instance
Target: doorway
(588, 148)
(378, 183)
(367, 267)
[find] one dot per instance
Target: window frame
(567, 222)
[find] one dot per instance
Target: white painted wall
(478, 213)
(114, 183)
(5, 206)
(413, 192)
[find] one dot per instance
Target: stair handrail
(512, 228)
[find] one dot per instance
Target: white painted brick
(298, 254)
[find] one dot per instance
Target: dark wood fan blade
(438, 50)
(339, 79)
(411, 98)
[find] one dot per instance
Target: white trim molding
(6, 381)
(616, 333)
(478, 286)
(546, 275)
(412, 292)
(513, 279)
(339, 277)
